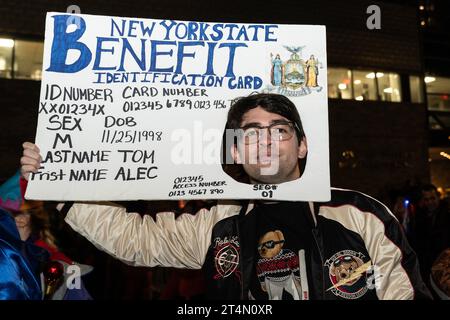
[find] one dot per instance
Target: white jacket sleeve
(142, 241)
(394, 273)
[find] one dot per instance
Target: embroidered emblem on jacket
(348, 274)
(226, 256)
(278, 269)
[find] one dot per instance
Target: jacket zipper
(241, 265)
(321, 261)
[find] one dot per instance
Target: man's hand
(31, 159)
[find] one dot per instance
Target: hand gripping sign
(137, 109)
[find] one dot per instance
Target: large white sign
(136, 108)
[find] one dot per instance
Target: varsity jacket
(359, 249)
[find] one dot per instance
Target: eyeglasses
(338, 262)
(279, 131)
(269, 244)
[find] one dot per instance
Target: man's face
(430, 200)
(269, 160)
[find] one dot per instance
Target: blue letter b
(63, 42)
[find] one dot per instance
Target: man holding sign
(112, 89)
(350, 247)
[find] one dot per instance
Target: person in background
(20, 263)
(403, 209)
(440, 276)
(302, 250)
(33, 226)
(431, 227)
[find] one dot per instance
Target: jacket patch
(226, 256)
(348, 274)
(278, 269)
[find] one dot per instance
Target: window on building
(28, 59)
(434, 123)
(6, 53)
(339, 83)
(416, 89)
(438, 93)
(21, 59)
(389, 87)
(364, 85)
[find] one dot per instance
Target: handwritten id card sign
(137, 109)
